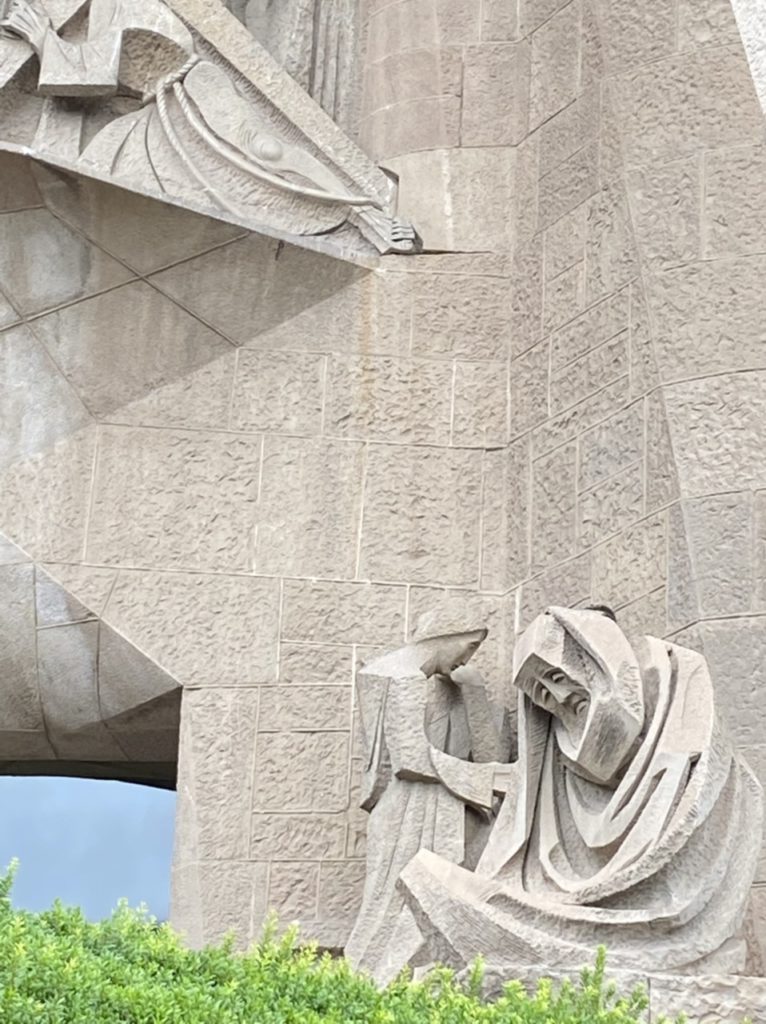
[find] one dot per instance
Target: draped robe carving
(628, 820)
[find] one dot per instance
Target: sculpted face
(577, 666)
(446, 653)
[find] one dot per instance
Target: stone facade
(242, 466)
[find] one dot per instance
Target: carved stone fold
(176, 101)
(628, 819)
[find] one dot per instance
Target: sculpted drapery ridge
(627, 818)
(129, 94)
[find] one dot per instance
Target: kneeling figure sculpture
(627, 819)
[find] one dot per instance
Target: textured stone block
(590, 329)
(286, 297)
(565, 242)
(305, 708)
(411, 126)
(610, 252)
(174, 499)
(144, 233)
(684, 103)
(613, 445)
(309, 507)
(297, 837)
(293, 891)
(568, 185)
(760, 548)
(407, 533)
(233, 897)
(704, 23)
(37, 407)
(553, 507)
(568, 584)
(505, 517)
(46, 497)
(574, 127)
(66, 267)
(579, 418)
(203, 629)
(582, 377)
(563, 297)
(719, 528)
(526, 286)
(529, 388)
(735, 650)
(315, 663)
(717, 429)
(665, 204)
(278, 391)
(340, 891)
(364, 613)
(495, 94)
(555, 64)
(480, 404)
(637, 33)
(18, 658)
(526, 174)
(216, 764)
(644, 617)
(301, 771)
(682, 598)
(712, 316)
(385, 399)
(413, 74)
(735, 201)
(18, 190)
(632, 563)
(532, 13)
(124, 346)
(499, 21)
(393, 27)
(465, 317)
(476, 205)
(661, 474)
(611, 506)
(644, 375)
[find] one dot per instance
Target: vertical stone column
(444, 100)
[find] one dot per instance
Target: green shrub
(58, 968)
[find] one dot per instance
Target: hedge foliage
(58, 968)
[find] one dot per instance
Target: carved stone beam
(175, 100)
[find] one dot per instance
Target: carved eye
(557, 677)
(269, 149)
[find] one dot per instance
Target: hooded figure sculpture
(628, 819)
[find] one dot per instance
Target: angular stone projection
(203, 117)
(628, 819)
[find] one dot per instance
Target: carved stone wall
(281, 461)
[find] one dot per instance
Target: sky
(87, 842)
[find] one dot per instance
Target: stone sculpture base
(704, 998)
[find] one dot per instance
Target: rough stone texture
(309, 507)
(555, 64)
(404, 501)
(287, 775)
(157, 499)
(563, 404)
